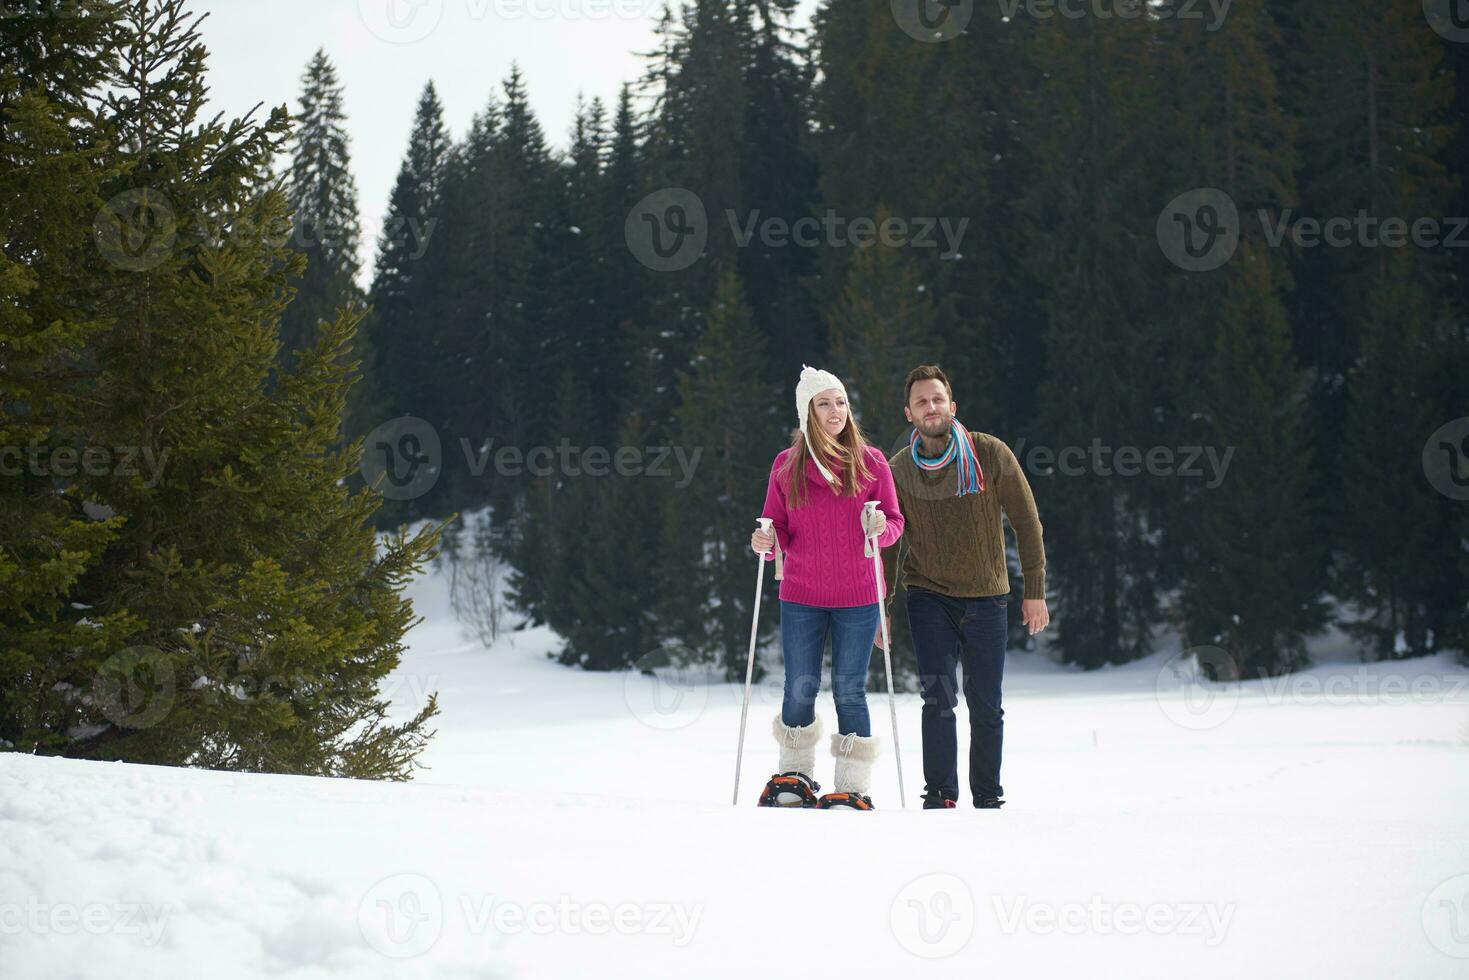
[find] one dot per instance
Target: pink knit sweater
(822, 539)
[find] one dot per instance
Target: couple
(946, 490)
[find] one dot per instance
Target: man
(952, 487)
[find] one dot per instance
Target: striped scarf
(971, 477)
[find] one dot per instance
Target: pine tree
(1223, 126)
(1365, 83)
(629, 288)
(1400, 564)
(882, 326)
(1254, 540)
(618, 588)
(1372, 101)
(694, 134)
(453, 278)
(584, 548)
(323, 199)
(240, 589)
(778, 178)
(1450, 366)
(725, 415)
(1079, 222)
(53, 168)
(580, 240)
(503, 281)
(397, 326)
(1377, 127)
(547, 547)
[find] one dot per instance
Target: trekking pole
(750, 664)
(872, 549)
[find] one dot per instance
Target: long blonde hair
(840, 452)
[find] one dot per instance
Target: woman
(815, 502)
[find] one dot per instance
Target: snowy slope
(576, 824)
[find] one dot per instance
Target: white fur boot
(797, 755)
(798, 746)
(854, 755)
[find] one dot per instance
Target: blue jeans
(948, 631)
(803, 632)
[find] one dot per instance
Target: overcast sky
(386, 50)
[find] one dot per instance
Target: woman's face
(829, 409)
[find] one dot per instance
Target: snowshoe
(790, 789)
(939, 801)
(845, 801)
(989, 803)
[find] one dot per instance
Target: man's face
(929, 408)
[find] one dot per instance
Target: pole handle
(765, 525)
(869, 542)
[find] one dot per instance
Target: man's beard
(935, 429)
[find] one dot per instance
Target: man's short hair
(926, 372)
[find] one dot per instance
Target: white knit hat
(813, 382)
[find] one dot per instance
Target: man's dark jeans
(948, 631)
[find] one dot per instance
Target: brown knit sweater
(956, 545)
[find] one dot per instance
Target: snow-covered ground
(575, 824)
